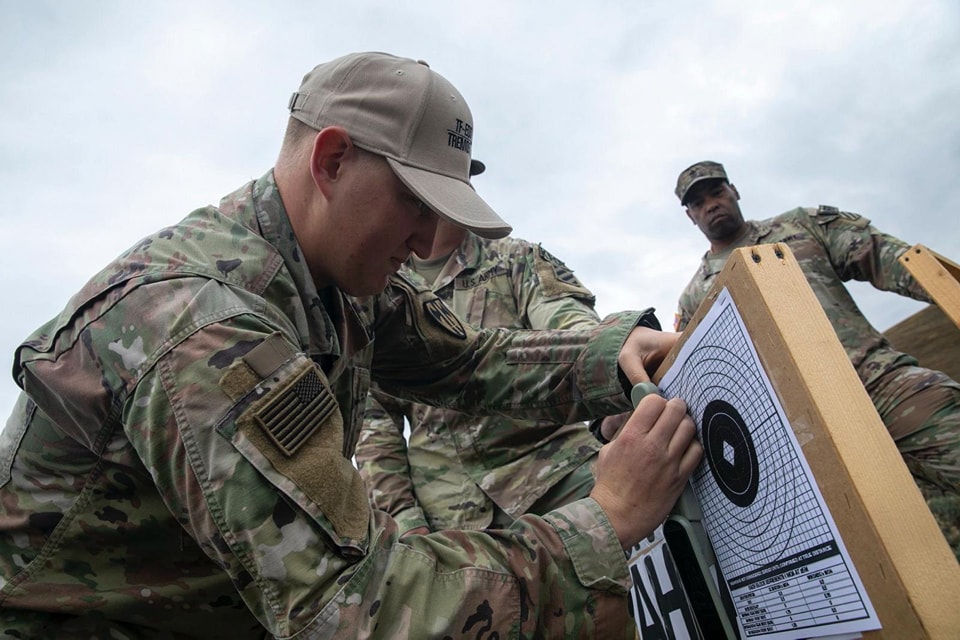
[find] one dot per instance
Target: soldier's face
(377, 223)
(713, 205)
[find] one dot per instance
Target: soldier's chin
(722, 224)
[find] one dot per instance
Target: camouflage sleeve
(424, 353)
(243, 437)
(859, 251)
(690, 299)
(565, 577)
(549, 295)
(382, 460)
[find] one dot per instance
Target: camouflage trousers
(36, 625)
(921, 410)
(575, 485)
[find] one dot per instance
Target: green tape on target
(642, 389)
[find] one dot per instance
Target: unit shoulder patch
(442, 316)
(826, 213)
(556, 279)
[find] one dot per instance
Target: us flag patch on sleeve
(297, 411)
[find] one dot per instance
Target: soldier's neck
(723, 244)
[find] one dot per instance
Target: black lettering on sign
(657, 593)
(673, 599)
(652, 628)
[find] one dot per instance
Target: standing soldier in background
(462, 472)
(920, 407)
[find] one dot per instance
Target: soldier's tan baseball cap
(704, 170)
(401, 109)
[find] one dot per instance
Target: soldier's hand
(643, 351)
(610, 425)
(641, 474)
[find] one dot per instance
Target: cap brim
(453, 200)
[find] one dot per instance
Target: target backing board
(810, 510)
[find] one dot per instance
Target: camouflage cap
(402, 110)
(705, 170)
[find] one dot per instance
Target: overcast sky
(118, 118)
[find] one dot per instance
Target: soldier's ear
(734, 189)
(330, 147)
(689, 215)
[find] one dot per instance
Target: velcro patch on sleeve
(826, 214)
(297, 428)
(295, 412)
(247, 372)
(269, 355)
(556, 278)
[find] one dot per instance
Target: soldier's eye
(422, 206)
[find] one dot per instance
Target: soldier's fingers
(611, 425)
(636, 351)
(693, 451)
(645, 416)
(633, 368)
(665, 430)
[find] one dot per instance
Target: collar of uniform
(471, 252)
(756, 231)
(467, 256)
(323, 339)
(348, 325)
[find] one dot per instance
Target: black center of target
(724, 435)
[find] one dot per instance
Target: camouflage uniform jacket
(178, 461)
(455, 466)
(831, 247)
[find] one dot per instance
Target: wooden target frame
(907, 568)
(938, 275)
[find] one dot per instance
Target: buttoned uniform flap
(288, 425)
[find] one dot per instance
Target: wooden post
(907, 568)
(938, 275)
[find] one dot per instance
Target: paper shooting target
(776, 546)
(748, 476)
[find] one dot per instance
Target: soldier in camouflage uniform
(178, 463)
(920, 407)
(462, 472)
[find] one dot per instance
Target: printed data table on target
(814, 591)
